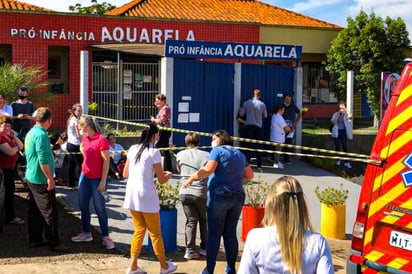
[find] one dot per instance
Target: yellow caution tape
(345, 156)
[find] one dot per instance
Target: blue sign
(196, 49)
(407, 176)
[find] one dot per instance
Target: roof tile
(237, 11)
(17, 5)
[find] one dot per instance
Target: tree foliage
(94, 8)
(369, 46)
(14, 76)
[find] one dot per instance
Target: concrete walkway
(121, 227)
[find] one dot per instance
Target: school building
(120, 58)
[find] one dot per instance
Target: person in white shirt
(116, 156)
(73, 143)
(143, 162)
(287, 242)
(59, 147)
(278, 131)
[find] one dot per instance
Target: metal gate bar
(138, 87)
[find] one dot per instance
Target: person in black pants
(292, 116)
(43, 212)
(10, 146)
(73, 144)
(163, 120)
(255, 111)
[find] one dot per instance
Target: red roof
(237, 11)
(17, 5)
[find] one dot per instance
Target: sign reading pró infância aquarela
(198, 49)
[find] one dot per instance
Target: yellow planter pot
(333, 221)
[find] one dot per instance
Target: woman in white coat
(342, 130)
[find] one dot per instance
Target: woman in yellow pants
(143, 161)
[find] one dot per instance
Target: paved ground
(121, 226)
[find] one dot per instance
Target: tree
(369, 46)
(95, 8)
(14, 76)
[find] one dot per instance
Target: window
(54, 67)
(317, 84)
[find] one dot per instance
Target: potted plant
(168, 198)
(333, 211)
(168, 195)
(254, 208)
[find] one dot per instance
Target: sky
(332, 11)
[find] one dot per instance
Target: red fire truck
(382, 233)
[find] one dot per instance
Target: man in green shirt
(43, 214)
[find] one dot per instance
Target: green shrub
(92, 108)
(331, 196)
(168, 194)
(256, 193)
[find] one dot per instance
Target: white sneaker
(137, 271)
(347, 165)
(190, 256)
(171, 268)
(338, 162)
(278, 165)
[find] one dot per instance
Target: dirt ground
(14, 241)
(14, 247)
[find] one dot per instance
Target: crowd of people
(212, 193)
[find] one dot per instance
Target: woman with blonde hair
(287, 242)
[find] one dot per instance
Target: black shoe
(35, 244)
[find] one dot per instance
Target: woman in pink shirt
(10, 145)
(92, 182)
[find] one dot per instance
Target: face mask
(214, 143)
(22, 97)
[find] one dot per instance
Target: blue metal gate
(273, 81)
(204, 94)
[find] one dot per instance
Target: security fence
(125, 91)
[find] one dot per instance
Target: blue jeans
(342, 139)
(88, 189)
(223, 211)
